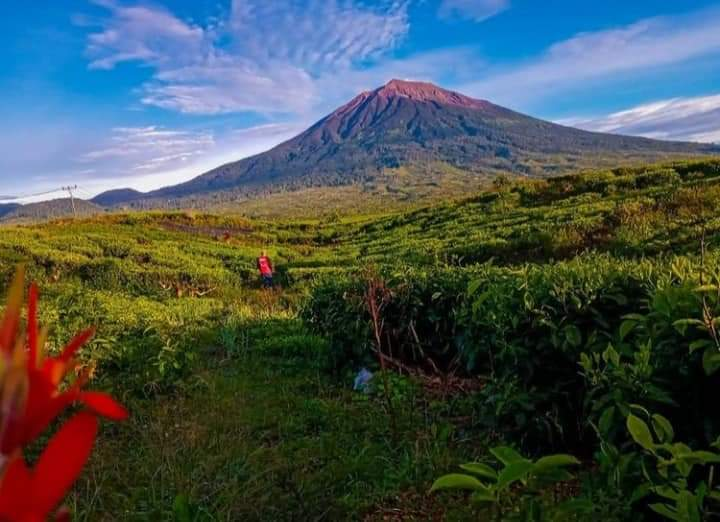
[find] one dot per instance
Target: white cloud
(143, 158)
(626, 51)
(149, 148)
(136, 33)
(140, 154)
(264, 57)
(477, 10)
(685, 119)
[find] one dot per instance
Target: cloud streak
(263, 57)
(626, 51)
(477, 10)
(683, 119)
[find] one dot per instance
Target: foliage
(537, 315)
(494, 485)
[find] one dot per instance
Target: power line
(35, 194)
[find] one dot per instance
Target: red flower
(32, 395)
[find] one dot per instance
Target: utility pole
(69, 190)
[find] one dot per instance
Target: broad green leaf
(667, 492)
(458, 481)
(482, 470)
(687, 507)
(555, 461)
(711, 361)
(681, 325)
(606, 420)
(573, 335)
(610, 355)
(480, 497)
(663, 428)
(507, 455)
(705, 457)
(697, 345)
(513, 472)
(639, 493)
(665, 511)
(626, 327)
(640, 432)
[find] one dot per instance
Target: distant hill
(52, 209)
(6, 208)
(410, 125)
(115, 197)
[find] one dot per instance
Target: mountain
(116, 197)
(6, 208)
(411, 125)
(52, 209)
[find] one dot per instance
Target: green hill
(536, 315)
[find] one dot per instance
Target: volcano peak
(426, 92)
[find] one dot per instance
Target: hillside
(534, 317)
(115, 197)
(6, 208)
(422, 129)
(52, 209)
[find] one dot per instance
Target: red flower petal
(103, 404)
(32, 333)
(40, 417)
(73, 346)
(62, 461)
(15, 490)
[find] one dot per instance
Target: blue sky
(116, 93)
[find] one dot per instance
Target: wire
(24, 196)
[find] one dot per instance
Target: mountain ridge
(404, 123)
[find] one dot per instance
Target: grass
(265, 435)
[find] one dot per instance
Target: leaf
(639, 493)
(555, 461)
(573, 335)
(687, 507)
(458, 481)
(705, 457)
(664, 510)
(507, 455)
(181, 509)
(697, 345)
(605, 423)
(640, 432)
(474, 286)
(663, 428)
(711, 361)
(681, 325)
(626, 327)
(482, 496)
(513, 472)
(482, 470)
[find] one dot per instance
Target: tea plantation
(558, 339)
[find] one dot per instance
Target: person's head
(263, 253)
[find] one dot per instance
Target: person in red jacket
(266, 269)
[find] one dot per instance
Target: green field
(575, 315)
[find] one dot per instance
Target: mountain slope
(52, 209)
(115, 197)
(403, 124)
